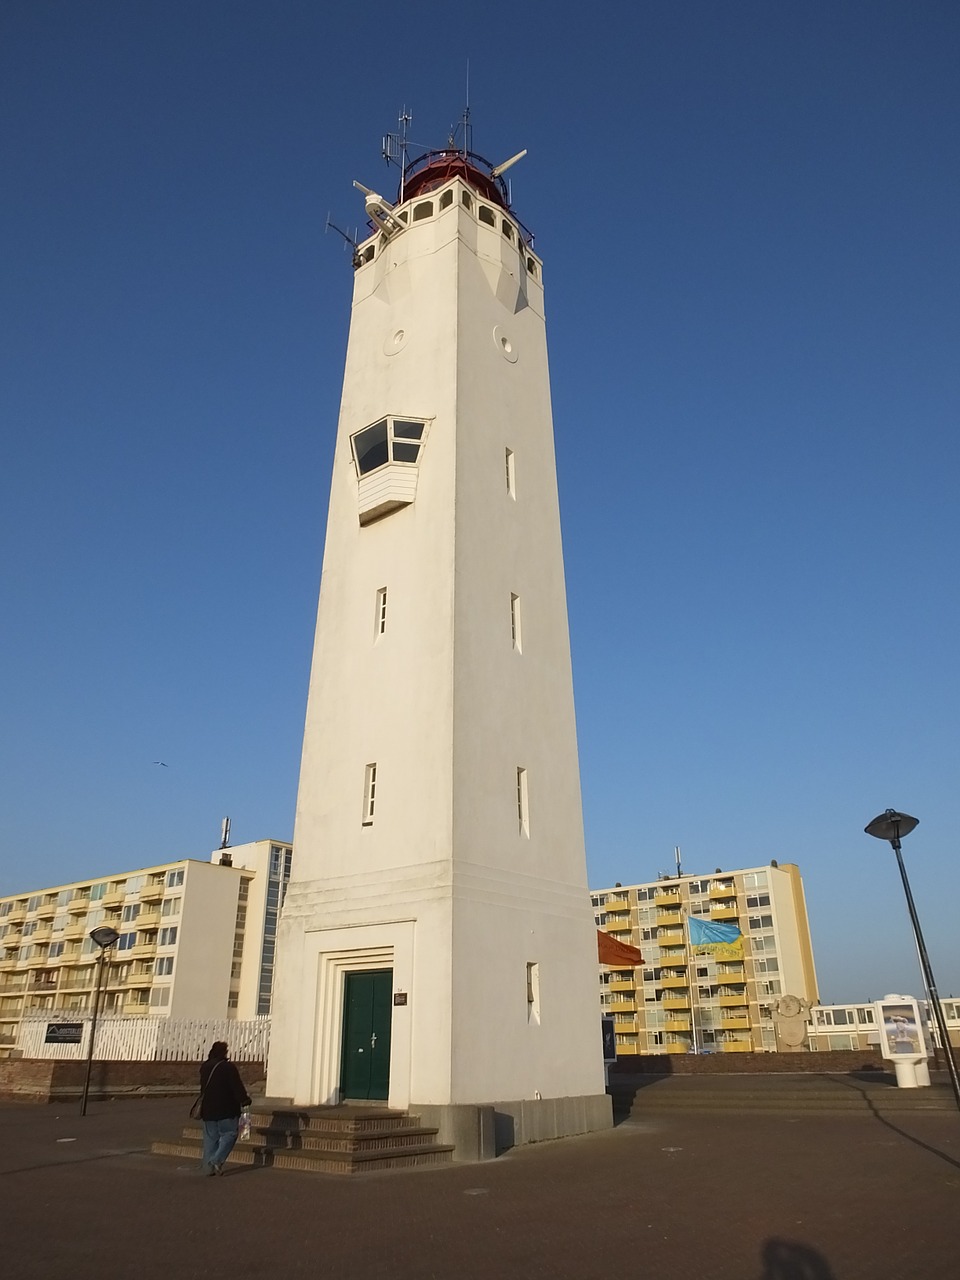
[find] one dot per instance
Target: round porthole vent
(395, 342)
(505, 345)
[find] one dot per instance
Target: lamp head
(104, 936)
(891, 825)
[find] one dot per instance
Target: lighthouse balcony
(386, 456)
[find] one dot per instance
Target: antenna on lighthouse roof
(395, 145)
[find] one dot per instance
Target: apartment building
(854, 1026)
(196, 939)
(690, 999)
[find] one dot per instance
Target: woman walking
(222, 1098)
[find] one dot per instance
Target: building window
(760, 922)
(381, 614)
(168, 937)
(160, 996)
(130, 913)
(507, 230)
(533, 992)
(163, 966)
(423, 210)
(369, 794)
(126, 941)
(446, 200)
(511, 474)
(467, 199)
(515, 635)
(175, 878)
(389, 440)
(487, 215)
(523, 807)
(171, 907)
(758, 900)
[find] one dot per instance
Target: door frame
(342, 951)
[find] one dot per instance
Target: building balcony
(680, 981)
(736, 1046)
(676, 1046)
(151, 892)
(734, 1001)
(143, 951)
(723, 913)
(622, 985)
(676, 1024)
(624, 1049)
(35, 962)
(133, 1009)
(669, 919)
(79, 906)
(730, 1023)
(675, 1002)
(733, 974)
(74, 932)
(116, 899)
(621, 1006)
(667, 897)
(7, 965)
(46, 911)
(42, 934)
(16, 916)
(668, 936)
(718, 891)
(148, 920)
(625, 1028)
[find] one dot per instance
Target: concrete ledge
(481, 1132)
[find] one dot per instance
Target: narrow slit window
(446, 200)
(381, 614)
(467, 199)
(515, 632)
(533, 993)
(369, 794)
(523, 806)
(511, 471)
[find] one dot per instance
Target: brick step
(395, 1139)
(430, 1154)
(332, 1120)
(325, 1140)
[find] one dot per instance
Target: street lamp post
(890, 826)
(104, 937)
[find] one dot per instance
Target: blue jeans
(219, 1138)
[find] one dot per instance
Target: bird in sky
(162, 764)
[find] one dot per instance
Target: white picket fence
(121, 1039)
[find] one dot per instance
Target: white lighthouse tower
(437, 948)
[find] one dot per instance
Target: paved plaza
(677, 1196)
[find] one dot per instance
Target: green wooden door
(365, 1056)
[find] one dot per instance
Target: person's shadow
(787, 1260)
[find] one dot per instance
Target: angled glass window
(390, 440)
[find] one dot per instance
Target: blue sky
(748, 217)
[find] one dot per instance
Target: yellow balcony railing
(663, 897)
(735, 1024)
(151, 893)
(79, 906)
(668, 919)
(732, 1002)
(723, 891)
(622, 1006)
(675, 1002)
(723, 913)
(680, 981)
(736, 1046)
(676, 1024)
(667, 936)
(619, 984)
(115, 899)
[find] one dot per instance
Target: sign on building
(63, 1033)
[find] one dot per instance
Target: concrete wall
(43, 1080)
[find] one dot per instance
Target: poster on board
(901, 1033)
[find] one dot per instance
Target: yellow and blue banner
(715, 938)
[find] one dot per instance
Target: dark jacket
(223, 1093)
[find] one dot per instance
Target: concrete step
(666, 1097)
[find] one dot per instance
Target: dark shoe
(208, 1170)
(218, 1170)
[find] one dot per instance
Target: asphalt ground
(735, 1196)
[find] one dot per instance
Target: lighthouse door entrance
(365, 1052)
